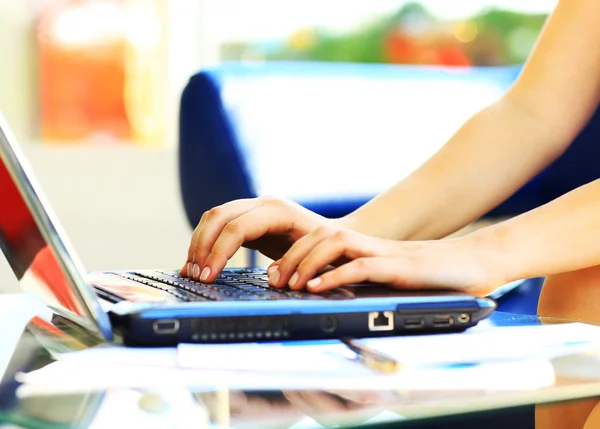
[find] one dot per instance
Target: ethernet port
(381, 321)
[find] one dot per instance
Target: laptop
(159, 308)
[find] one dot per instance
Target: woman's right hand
(267, 224)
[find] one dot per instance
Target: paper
(120, 355)
(324, 356)
(492, 344)
(71, 377)
(269, 357)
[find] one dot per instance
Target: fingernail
(272, 269)
(294, 279)
(196, 271)
(314, 282)
(190, 269)
(205, 274)
(275, 278)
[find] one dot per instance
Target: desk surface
(26, 343)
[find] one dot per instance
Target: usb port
(442, 321)
(165, 326)
(381, 321)
(414, 322)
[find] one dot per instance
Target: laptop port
(442, 321)
(463, 318)
(165, 326)
(328, 324)
(413, 323)
(381, 321)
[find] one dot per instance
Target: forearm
(561, 236)
(489, 158)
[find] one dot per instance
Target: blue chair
(229, 116)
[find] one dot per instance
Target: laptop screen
(34, 247)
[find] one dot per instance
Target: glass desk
(27, 342)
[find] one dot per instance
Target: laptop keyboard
(231, 285)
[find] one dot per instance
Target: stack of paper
(490, 345)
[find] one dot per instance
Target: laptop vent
(248, 328)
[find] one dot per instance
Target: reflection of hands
(327, 408)
(250, 407)
(330, 408)
(452, 263)
(269, 225)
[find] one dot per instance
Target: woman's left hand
(446, 264)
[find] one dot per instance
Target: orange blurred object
(400, 48)
(82, 76)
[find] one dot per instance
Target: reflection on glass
(272, 408)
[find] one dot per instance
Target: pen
(373, 359)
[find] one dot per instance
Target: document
(489, 345)
(308, 357)
(65, 377)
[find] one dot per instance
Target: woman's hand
(269, 225)
(450, 264)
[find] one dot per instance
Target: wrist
(357, 222)
(350, 221)
(371, 224)
(487, 249)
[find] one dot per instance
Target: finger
(361, 397)
(296, 253)
(183, 272)
(313, 405)
(329, 405)
(192, 246)
(297, 400)
(189, 266)
(373, 269)
(267, 219)
(343, 244)
(215, 219)
(273, 267)
(323, 402)
(326, 409)
(209, 230)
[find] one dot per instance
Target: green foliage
(493, 44)
(501, 24)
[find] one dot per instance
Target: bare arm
(504, 145)
(561, 236)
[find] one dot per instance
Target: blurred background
(91, 89)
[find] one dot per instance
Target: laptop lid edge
(47, 222)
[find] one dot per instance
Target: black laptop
(159, 308)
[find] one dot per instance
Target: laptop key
(242, 285)
(258, 277)
(253, 291)
(175, 291)
(206, 290)
(221, 294)
(231, 275)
